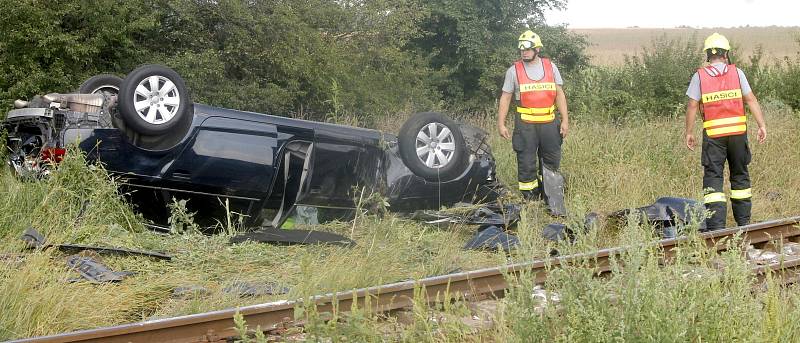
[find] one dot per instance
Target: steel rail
(219, 325)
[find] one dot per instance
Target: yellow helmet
(716, 41)
(529, 40)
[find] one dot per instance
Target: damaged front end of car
(37, 130)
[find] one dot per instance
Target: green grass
(608, 167)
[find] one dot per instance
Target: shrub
(650, 84)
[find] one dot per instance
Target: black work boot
(741, 211)
(718, 216)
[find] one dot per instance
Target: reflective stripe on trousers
(528, 186)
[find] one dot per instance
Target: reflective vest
(721, 101)
(537, 97)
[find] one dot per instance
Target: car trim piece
(191, 192)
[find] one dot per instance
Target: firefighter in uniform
(720, 90)
(535, 82)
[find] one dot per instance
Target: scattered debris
(542, 298)
(246, 289)
(557, 232)
(491, 237)
(503, 216)
(290, 237)
(666, 214)
(35, 240)
(93, 271)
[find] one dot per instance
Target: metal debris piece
(35, 240)
(93, 271)
(489, 214)
(553, 183)
(290, 237)
(492, 238)
(247, 289)
(112, 251)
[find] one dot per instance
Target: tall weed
(643, 300)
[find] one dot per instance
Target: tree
(469, 44)
(50, 47)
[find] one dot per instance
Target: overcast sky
(672, 13)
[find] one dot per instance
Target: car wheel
(99, 84)
(153, 99)
(432, 147)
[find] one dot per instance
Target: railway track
(219, 326)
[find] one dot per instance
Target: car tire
(103, 83)
(432, 147)
(153, 100)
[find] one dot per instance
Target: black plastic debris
(35, 240)
(557, 232)
(553, 183)
(666, 214)
(93, 271)
(492, 237)
(503, 216)
(247, 289)
(291, 237)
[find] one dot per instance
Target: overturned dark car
(145, 129)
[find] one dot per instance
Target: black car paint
(239, 156)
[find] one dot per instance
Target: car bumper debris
(93, 271)
(35, 240)
(492, 237)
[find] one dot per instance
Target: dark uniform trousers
(534, 143)
(736, 151)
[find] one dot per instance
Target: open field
(607, 166)
(608, 46)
